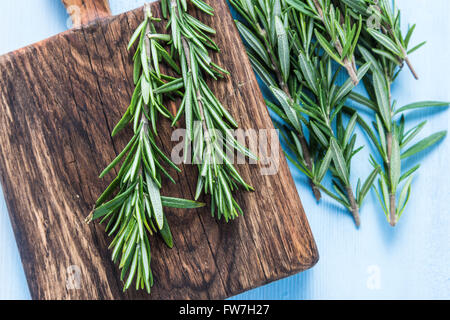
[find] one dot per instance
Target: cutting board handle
(85, 11)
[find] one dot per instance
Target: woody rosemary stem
(392, 209)
(349, 65)
(392, 206)
(354, 206)
(410, 66)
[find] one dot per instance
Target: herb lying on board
(137, 209)
(291, 44)
(207, 121)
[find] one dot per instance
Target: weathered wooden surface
(59, 100)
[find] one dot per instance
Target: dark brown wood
(83, 12)
(59, 100)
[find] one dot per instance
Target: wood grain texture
(83, 12)
(59, 100)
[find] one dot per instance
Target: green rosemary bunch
(319, 102)
(284, 40)
(264, 28)
(333, 144)
(385, 49)
(208, 123)
(136, 211)
(307, 94)
(337, 33)
(383, 27)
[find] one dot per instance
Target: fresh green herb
(383, 26)
(208, 123)
(384, 46)
(287, 47)
(264, 29)
(291, 45)
(136, 211)
(336, 32)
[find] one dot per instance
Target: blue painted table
(411, 261)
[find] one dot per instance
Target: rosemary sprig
(383, 32)
(310, 98)
(284, 38)
(208, 123)
(321, 100)
(336, 32)
(137, 209)
(264, 29)
(390, 136)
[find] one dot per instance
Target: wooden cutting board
(59, 99)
